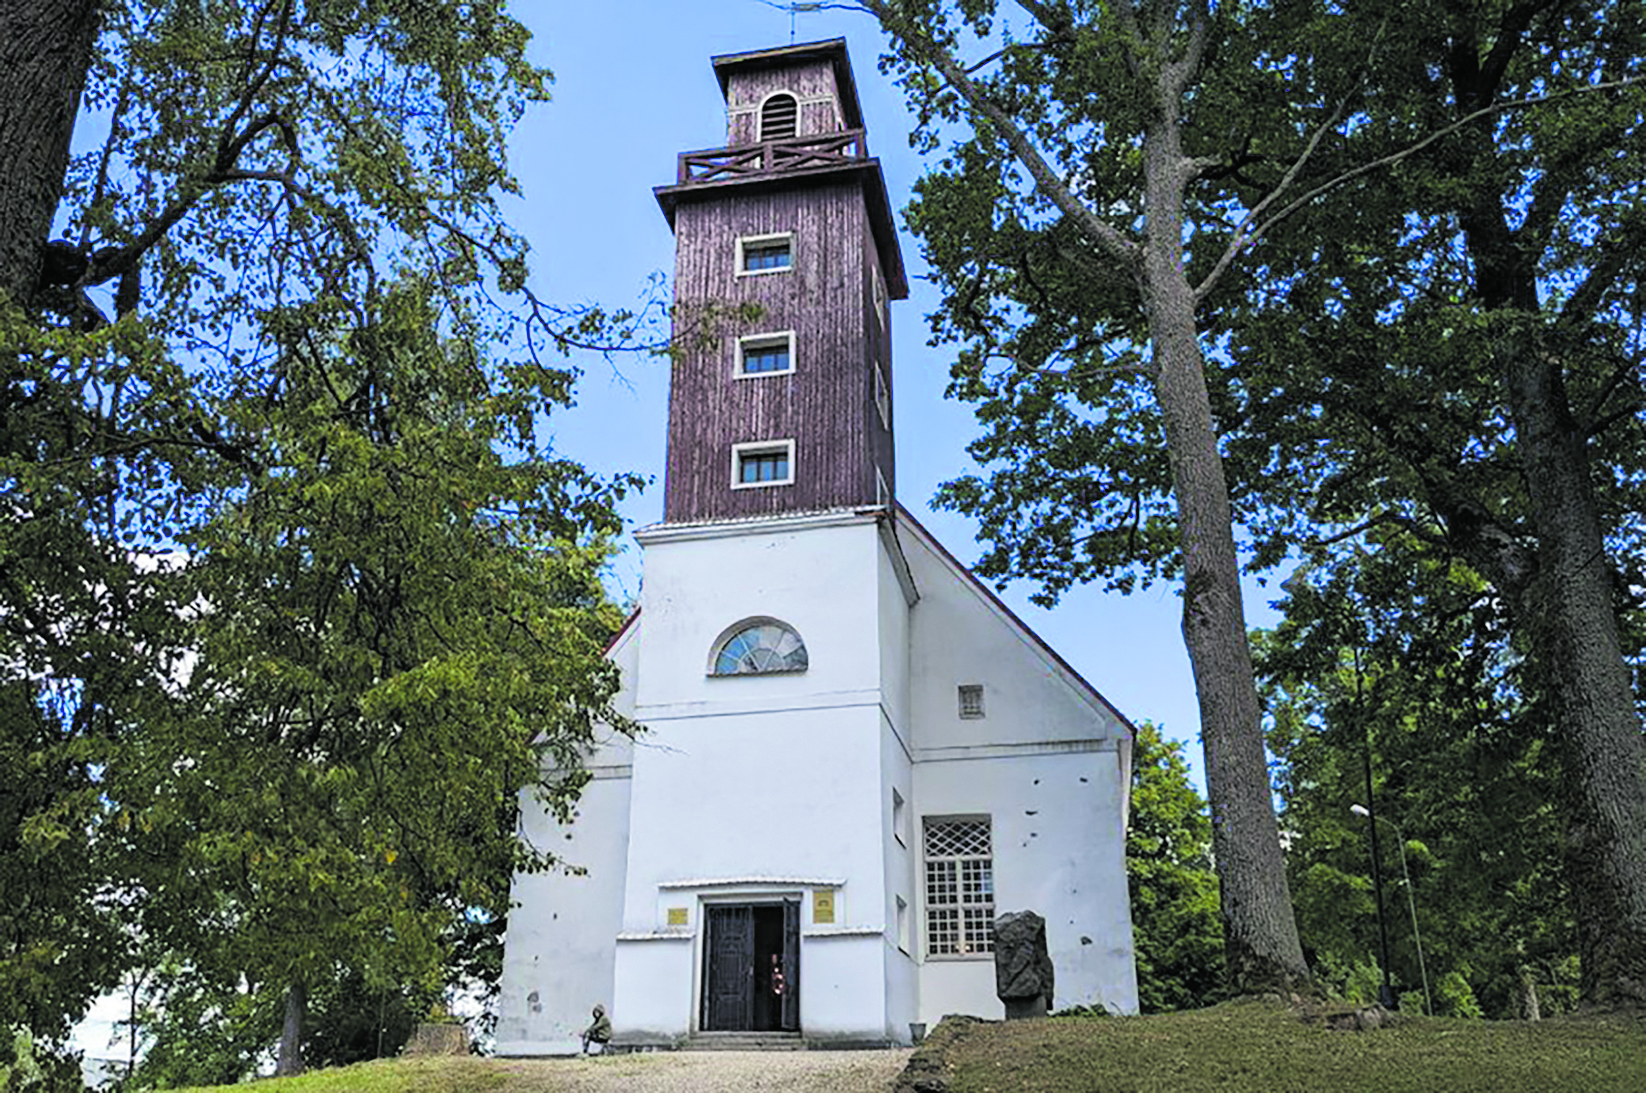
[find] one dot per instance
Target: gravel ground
(717, 1072)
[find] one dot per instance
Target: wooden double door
(751, 967)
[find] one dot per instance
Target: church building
(855, 757)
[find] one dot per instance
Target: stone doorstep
(745, 1041)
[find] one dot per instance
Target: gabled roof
(1079, 682)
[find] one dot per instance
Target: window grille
(959, 888)
(971, 700)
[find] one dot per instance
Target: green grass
(1254, 1047)
(1242, 1047)
(435, 1074)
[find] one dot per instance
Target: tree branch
(1102, 234)
(1395, 157)
(1245, 234)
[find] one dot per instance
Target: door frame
(700, 945)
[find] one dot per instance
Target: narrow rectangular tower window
(882, 396)
(765, 253)
(765, 354)
(764, 463)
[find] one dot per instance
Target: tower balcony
(848, 147)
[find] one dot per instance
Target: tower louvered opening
(779, 117)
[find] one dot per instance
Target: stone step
(744, 1041)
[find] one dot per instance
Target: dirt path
(713, 1072)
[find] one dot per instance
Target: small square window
(759, 254)
(762, 464)
(971, 700)
(765, 354)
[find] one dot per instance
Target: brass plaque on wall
(678, 916)
(823, 906)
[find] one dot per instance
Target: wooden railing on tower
(773, 157)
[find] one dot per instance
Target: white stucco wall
(558, 953)
(1045, 764)
(758, 788)
(760, 785)
(1057, 852)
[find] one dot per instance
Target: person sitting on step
(598, 1034)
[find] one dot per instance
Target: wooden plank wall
(826, 405)
(811, 81)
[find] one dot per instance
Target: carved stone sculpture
(1022, 966)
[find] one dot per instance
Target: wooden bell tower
(790, 412)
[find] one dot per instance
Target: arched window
(779, 116)
(758, 647)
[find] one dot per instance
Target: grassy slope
(1262, 1048)
(1236, 1048)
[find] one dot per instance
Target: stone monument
(1022, 965)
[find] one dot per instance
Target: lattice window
(959, 888)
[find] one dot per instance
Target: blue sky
(634, 88)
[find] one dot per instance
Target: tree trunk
(1260, 932)
(1566, 610)
(291, 1032)
(1577, 644)
(45, 53)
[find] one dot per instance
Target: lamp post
(1411, 904)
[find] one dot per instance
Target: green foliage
(1176, 931)
(1455, 998)
(1401, 652)
(1098, 1010)
(29, 1067)
(399, 629)
(296, 601)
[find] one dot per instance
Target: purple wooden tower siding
(821, 186)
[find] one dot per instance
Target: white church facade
(855, 757)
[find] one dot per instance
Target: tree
(1115, 175)
(232, 620)
(1460, 353)
(1175, 931)
(399, 630)
(1312, 133)
(1396, 664)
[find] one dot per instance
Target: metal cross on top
(804, 7)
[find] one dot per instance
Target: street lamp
(1411, 901)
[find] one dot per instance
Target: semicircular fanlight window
(761, 647)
